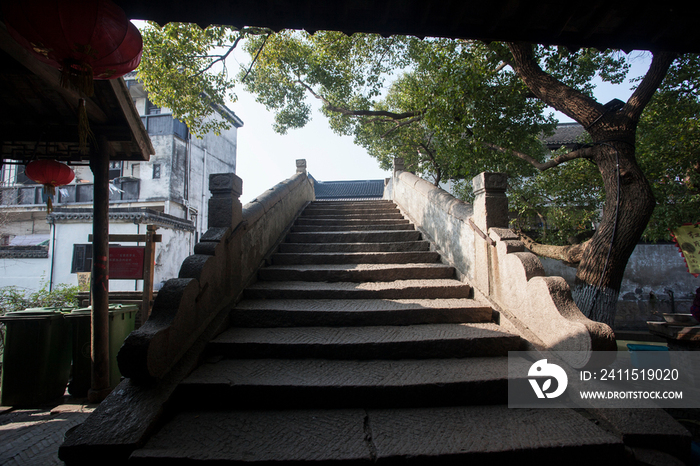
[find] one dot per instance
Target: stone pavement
(31, 436)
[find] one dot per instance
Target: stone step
(355, 273)
(399, 289)
(409, 257)
(466, 435)
(354, 247)
(365, 203)
(352, 208)
(388, 342)
(330, 214)
(356, 227)
(356, 312)
(358, 221)
(338, 383)
(355, 237)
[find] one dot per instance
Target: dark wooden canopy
(39, 117)
(622, 24)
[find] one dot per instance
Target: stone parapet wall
(489, 256)
(268, 217)
(439, 215)
(213, 278)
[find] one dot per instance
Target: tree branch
(551, 91)
(345, 111)
(571, 255)
(221, 57)
(256, 58)
(436, 167)
(400, 124)
(652, 80)
(584, 153)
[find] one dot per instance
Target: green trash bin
(37, 357)
(122, 320)
(81, 322)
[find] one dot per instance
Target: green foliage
(442, 105)
(668, 148)
(13, 298)
(183, 68)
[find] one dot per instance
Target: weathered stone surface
(335, 214)
(492, 435)
(356, 273)
(354, 237)
(384, 227)
(399, 289)
(354, 247)
(216, 234)
(349, 222)
(128, 416)
(225, 185)
(647, 428)
(341, 383)
(409, 257)
(351, 312)
(459, 434)
(391, 342)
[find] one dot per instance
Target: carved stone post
(301, 165)
(398, 165)
(490, 211)
(225, 210)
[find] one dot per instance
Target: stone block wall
(476, 240)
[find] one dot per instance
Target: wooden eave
(38, 116)
(619, 24)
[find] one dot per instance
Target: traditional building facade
(169, 191)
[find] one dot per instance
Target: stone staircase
(358, 345)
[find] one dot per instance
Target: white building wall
(24, 273)
(170, 253)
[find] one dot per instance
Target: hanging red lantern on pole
(85, 39)
(51, 174)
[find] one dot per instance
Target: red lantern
(51, 174)
(85, 39)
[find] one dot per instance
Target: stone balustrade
(211, 280)
(477, 241)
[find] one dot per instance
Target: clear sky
(265, 158)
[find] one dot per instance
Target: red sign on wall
(126, 262)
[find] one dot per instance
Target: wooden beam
(60, 133)
(100, 384)
(148, 273)
(140, 134)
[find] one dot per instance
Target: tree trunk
(629, 201)
(599, 274)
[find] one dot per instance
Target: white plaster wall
(208, 155)
(170, 253)
(157, 189)
(24, 273)
(651, 268)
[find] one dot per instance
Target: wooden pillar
(99, 163)
(148, 265)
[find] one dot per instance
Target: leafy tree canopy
(454, 108)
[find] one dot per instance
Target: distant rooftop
(338, 190)
(566, 134)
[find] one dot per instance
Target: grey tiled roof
(566, 134)
(362, 189)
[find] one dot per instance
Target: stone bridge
(374, 331)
